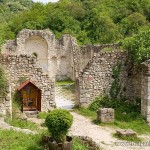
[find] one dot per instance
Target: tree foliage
(138, 47)
(90, 21)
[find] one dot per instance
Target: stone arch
(38, 46)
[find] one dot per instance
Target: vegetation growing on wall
(2, 82)
(90, 21)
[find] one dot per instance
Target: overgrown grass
(78, 145)
(23, 124)
(12, 140)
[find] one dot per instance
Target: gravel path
(83, 126)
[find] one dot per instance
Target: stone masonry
(26, 66)
(5, 102)
(106, 115)
(91, 66)
(145, 92)
(97, 77)
(58, 58)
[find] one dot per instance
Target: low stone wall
(19, 66)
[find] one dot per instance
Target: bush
(58, 122)
(103, 101)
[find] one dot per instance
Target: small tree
(58, 122)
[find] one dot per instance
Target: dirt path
(83, 126)
(64, 98)
(103, 136)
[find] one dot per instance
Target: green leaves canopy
(138, 47)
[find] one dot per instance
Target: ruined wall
(91, 65)
(17, 66)
(145, 96)
(55, 57)
(97, 77)
(87, 52)
(6, 102)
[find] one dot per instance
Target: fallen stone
(126, 133)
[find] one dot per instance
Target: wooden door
(29, 95)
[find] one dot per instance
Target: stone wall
(5, 102)
(97, 77)
(51, 53)
(145, 96)
(91, 65)
(87, 52)
(18, 66)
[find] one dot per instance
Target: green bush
(58, 122)
(104, 101)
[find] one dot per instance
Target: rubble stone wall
(97, 77)
(5, 102)
(44, 44)
(18, 66)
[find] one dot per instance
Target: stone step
(31, 114)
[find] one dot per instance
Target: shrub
(58, 122)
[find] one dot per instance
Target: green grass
(42, 115)
(86, 112)
(133, 138)
(12, 140)
(23, 124)
(64, 82)
(77, 145)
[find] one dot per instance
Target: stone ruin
(37, 55)
(106, 115)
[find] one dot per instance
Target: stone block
(126, 133)
(106, 115)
